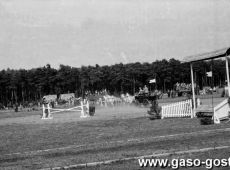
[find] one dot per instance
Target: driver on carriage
(146, 90)
(141, 91)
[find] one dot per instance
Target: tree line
(19, 86)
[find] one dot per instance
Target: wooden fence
(178, 109)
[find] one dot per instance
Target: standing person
(171, 93)
(16, 107)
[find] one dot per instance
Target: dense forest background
(30, 85)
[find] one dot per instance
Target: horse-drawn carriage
(146, 98)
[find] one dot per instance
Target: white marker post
(193, 92)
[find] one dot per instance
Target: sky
(34, 33)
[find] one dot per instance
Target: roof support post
(227, 73)
(193, 92)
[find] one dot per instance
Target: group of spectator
(97, 92)
(183, 86)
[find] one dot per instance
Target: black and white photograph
(114, 84)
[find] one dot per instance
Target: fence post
(169, 110)
(179, 110)
(82, 110)
(182, 109)
(188, 107)
(87, 106)
(43, 111)
(174, 110)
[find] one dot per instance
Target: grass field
(27, 142)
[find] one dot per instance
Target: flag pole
(212, 84)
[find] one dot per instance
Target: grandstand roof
(206, 56)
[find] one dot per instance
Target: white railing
(178, 109)
(47, 111)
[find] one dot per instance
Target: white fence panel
(179, 109)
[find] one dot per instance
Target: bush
(91, 110)
(154, 112)
(206, 121)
